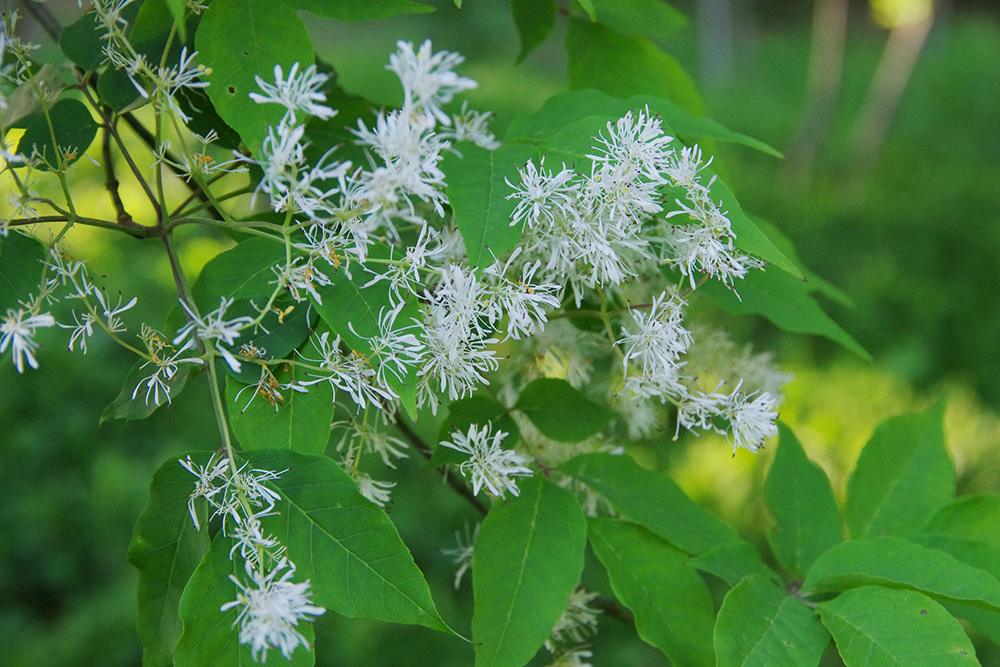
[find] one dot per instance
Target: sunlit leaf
(759, 625)
(527, 561)
(672, 605)
(651, 500)
(903, 476)
(878, 627)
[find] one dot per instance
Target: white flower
(81, 330)
(374, 490)
(17, 330)
(205, 487)
(544, 196)
(472, 126)
(659, 340)
(270, 610)
(578, 620)
(350, 372)
(298, 92)
(427, 79)
(214, 327)
(462, 554)
(489, 464)
(364, 435)
(751, 419)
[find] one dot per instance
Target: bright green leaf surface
(243, 271)
(672, 606)
(588, 6)
(21, 268)
(562, 412)
(903, 476)
(622, 65)
(165, 549)
(345, 544)
(900, 563)
(969, 517)
(732, 562)
(209, 638)
(352, 11)
(785, 301)
(534, 20)
(301, 422)
(527, 561)
(278, 334)
(652, 18)
(651, 500)
(566, 108)
(760, 626)
(877, 627)
(477, 192)
(73, 127)
(800, 499)
(241, 39)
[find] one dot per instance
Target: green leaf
(784, 300)
(345, 544)
(176, 8)
(477, 191)
(72, 126)
(651, 500)
(462, 414)
(817, 284)
(241, 39)
(588, 6)
(969, 517)
(165, 549)
(878, 626)
(732, 562)
(800, 499)
(760, 626)
(282, 330)
(623, 65)
(301, 422)
(527, 561)
(899, 563)
(117, 91)
(21, 257)
(652, 18)
(750, 238)
(81, 40)
(23, 103)
(534, 20)
(564, 109)
(126, 407)
(242, 272)
(903, 476)
(210, 637)
(672, 606)
(562, 412)
(351, 11)
(352, 310)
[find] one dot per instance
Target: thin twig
(111, 183)
(426, 452)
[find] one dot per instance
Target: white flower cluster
(577, 623)
(490, 465)
(609, 226)
(270, 606)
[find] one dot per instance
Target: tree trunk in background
(826, 62)
(894, 69)
(715, 42)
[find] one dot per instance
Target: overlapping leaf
(528, 559)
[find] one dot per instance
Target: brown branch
(111, 183)
(426, 452)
